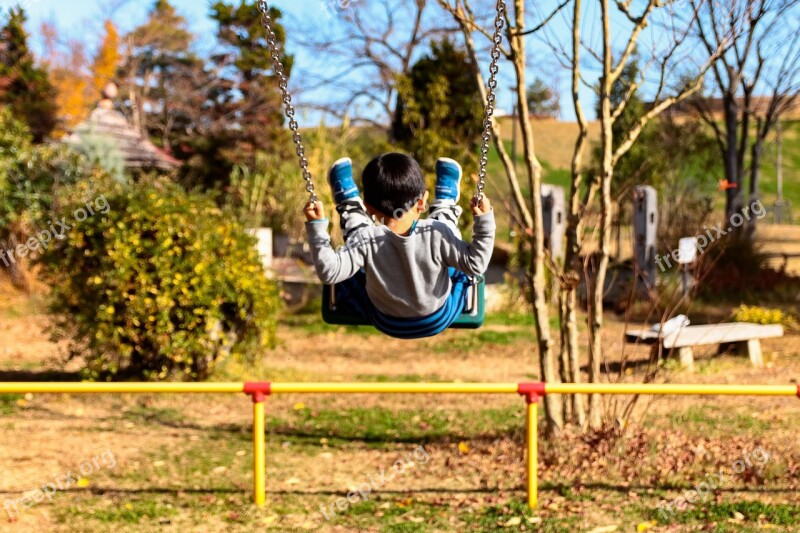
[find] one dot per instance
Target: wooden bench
(745, 335)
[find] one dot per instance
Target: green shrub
(35, 182)
(32, 176)
(163, 285)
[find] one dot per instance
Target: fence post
(532, 393)
(533, 450)
(258, 392)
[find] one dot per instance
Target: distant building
(109, 124)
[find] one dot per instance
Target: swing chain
(283, 84)
(491, 97)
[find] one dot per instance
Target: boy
(409, 286)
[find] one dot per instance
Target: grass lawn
(791, 168)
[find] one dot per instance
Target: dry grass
(186, 460)
(555, 140)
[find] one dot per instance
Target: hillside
(555, 142)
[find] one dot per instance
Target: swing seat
(472, 317)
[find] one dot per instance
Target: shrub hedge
(158, 284)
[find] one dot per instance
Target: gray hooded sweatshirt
(407, 276)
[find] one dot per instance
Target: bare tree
(761, 54)
(373, 43)
(668, 86)
(573, 267)
(528, 210)
(667, 92)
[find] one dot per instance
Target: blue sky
(83, 19)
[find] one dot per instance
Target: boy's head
(393, 184)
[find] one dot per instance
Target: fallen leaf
(644, 526)
(82, 482)
(463, 447)
(604, 529)
(513, 521)
(299, 406)
(293, 481)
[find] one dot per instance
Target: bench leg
(753, 350)
(686, 358)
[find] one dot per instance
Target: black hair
(393, 183)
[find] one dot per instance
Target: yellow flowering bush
(162, 286)
(763, 315)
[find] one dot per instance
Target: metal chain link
(491, 97)
(283, 84)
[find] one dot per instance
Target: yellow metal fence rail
(532, 391)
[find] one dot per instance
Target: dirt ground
(184, 463)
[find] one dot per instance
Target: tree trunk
(732, 171)
(553, 411)
(598, 277)
(565, 369)
(573, 271)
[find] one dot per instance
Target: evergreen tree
(167, 88)
(211, 114)
(439, 108)
(249, 90)
(24, 87)
(158, 54)
(543, 101)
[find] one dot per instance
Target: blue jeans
(352, 297)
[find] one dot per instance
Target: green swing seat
(472, 317)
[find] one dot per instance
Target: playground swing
(335, 308)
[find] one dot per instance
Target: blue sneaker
(341, 179)
(448, 180)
